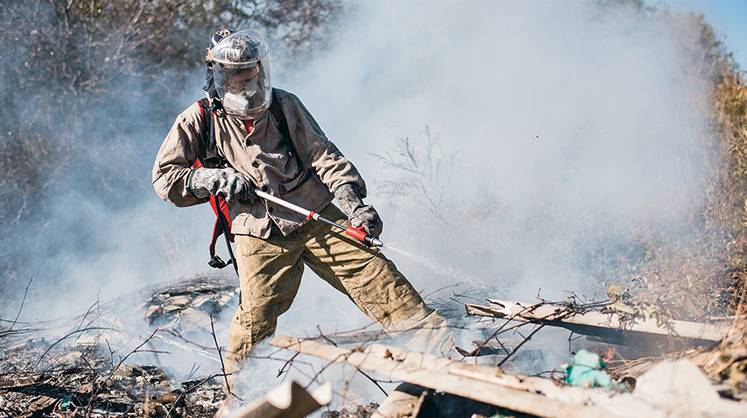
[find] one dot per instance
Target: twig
(193, 371)
(88, 363)
(69, 334)
(571, 339)
(529, 337)
(325, 367)
(438, 290)
(500, 329)
(178, 335)
(136, 350)
(190, 390)
(740, 306)
(23, 301)
(111, 352)
(321, 334)
(286, 364)
(374, 381)
(97, 387)
(208, 354)
(503, 347)
(220, 356)
(88, 311)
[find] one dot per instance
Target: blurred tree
(84, 80)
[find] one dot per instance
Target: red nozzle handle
(357, 233)
(361, 235)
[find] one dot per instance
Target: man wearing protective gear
(293, 160)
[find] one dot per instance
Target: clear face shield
(246, 92)
(241, 72)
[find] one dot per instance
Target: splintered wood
(484, 384)
(606, 325)
(289, 400)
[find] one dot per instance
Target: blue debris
(586, 369)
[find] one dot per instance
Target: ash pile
(89, 365)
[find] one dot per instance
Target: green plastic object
(586, 369)
(66, 402)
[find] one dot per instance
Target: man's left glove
(227, 182)
(359, 214)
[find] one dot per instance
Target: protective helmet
(240, 65)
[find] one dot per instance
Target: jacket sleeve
(327, 161)
(175, 158)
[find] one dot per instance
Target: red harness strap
(220, 207)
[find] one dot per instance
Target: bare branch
(20, 309)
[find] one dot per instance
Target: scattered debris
(85, 372)
(360, 411)
(675, 389)
(726, 363)
(77, 373)
(191, 302)
(523, 394)
(84, 383)
(534, 396)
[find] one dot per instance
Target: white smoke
(569, 126)
(572, 126)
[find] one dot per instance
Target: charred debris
(632, 363)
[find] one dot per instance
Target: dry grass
(728, 208)
(703, 274)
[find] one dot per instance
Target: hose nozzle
(373, 242)
(361, 235)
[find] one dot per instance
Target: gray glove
(358, 214)
(227, 182)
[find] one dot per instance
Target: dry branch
(597, 323)
(20, 309)
(220, 357)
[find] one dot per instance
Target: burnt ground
(99, 364)
(94, 364)
(84, 371)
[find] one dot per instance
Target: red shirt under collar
(249, 125)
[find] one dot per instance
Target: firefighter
(264, 138)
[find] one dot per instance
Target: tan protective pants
(270, 274)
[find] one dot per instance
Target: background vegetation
(84, 80)
(88, 88)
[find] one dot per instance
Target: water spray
(361, 235)
(357, 233)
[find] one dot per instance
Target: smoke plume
(513, 147)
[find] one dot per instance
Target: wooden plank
(289, 400)
(434, 372)
(596, 323)
(493, 375)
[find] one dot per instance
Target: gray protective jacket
(264, 158)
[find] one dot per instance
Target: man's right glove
(359, 214)
(228, 182)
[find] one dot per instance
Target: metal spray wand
(357, 233)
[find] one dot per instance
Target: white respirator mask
(241, 71)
